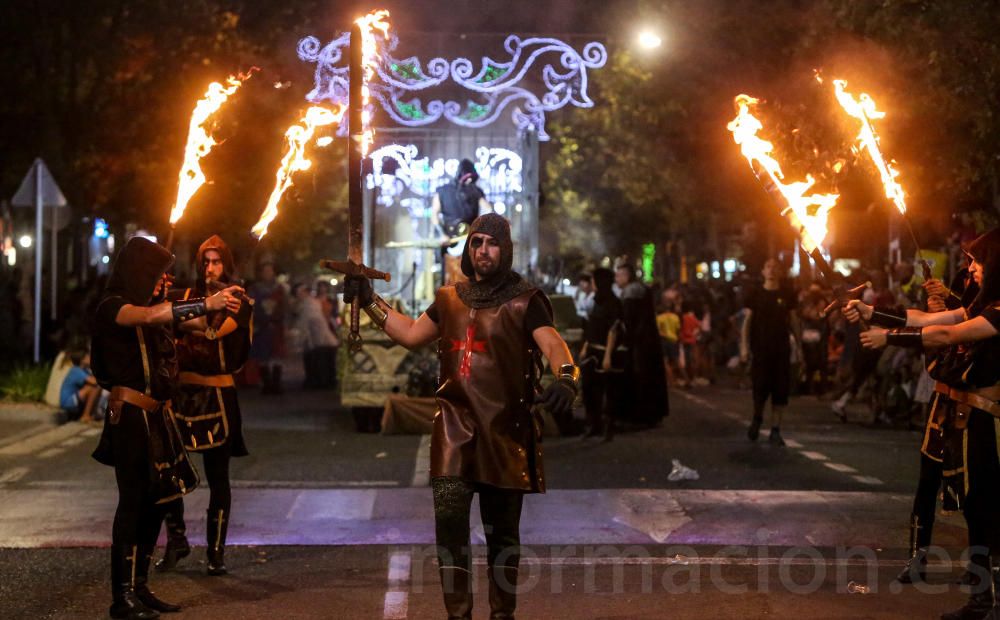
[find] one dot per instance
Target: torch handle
(170, 238)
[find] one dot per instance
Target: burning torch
(807, 213)
(865, 111)
(199, 144)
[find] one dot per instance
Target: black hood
(216, 243)
(466, 167)
(504, 284)
(497, 227)
(138, 267)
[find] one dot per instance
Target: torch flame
(863, 108)
(298, 136)
(199, 142)
(369, 24)
(807, 214)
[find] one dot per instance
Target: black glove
(559, 396)
(360, 288)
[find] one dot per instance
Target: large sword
(354, 264)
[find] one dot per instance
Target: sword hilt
(350, 268)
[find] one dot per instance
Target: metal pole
(54, 268)
(38, 260)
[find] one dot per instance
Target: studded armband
(189, 309)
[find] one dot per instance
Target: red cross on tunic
(467, 348)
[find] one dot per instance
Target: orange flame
(369, 24)
(807, 214)
(200, 143)
(298, 136)
(863, 109)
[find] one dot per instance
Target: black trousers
(982, 503)
(321, 367)
(138, 516)
(216, 473)
(501, 513)
(601, 395)
(925, 499)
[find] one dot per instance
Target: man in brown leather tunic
(491, 333)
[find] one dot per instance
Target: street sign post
(40, 190)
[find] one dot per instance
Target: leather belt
(983, 398)
(193, 378)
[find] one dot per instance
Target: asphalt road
(331, 523)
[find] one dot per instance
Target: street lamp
(25, 241)
(649, 40)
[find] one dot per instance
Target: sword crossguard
(351, 268)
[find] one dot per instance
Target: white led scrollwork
(492, 89)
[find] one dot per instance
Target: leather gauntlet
(888, 317)
(189, 309)
(377, 311)
(909, 337)
(571, 374)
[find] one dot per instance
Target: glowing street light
(649, 40)
(25, 241)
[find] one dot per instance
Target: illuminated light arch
(492, 89)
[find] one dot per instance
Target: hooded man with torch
(134, 357)
(492, 332)
(971, 379)
(209, 350)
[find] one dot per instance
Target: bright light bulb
(649, 40)
(25, 241)
(500, 208)
(324, 141)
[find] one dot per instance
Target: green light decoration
(492, 73)
(408, 71)
(475, 111)
(409, 110)
(648, 256)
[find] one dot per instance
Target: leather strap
(135, 397)
(983, 398)
(192, 378)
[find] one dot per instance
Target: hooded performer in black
(491, 333)
(133, 356)
(209, 350)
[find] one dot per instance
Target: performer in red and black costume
(973, 383)
(133, 356)
(491, 333)
(209, 350)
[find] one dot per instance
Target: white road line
(814, 456)
(50, 453)
(310, 484)
(844, 469)
(73, 441)
(682, 560)
(868, 480)
(422, 466)
(91, 432)
(42, 440)
(396, 604)
(13, 474)
(791, 443)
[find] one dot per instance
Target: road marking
(13, 474)
(40, 441)
(844, 469)
(422, 467)
(814, 456)
(683, 560)
(868, 480)
(396, 604)
(91, 432)
(73, 441)
(791, 443)
(50, 453)
(310, 484)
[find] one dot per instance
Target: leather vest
(484, 430)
